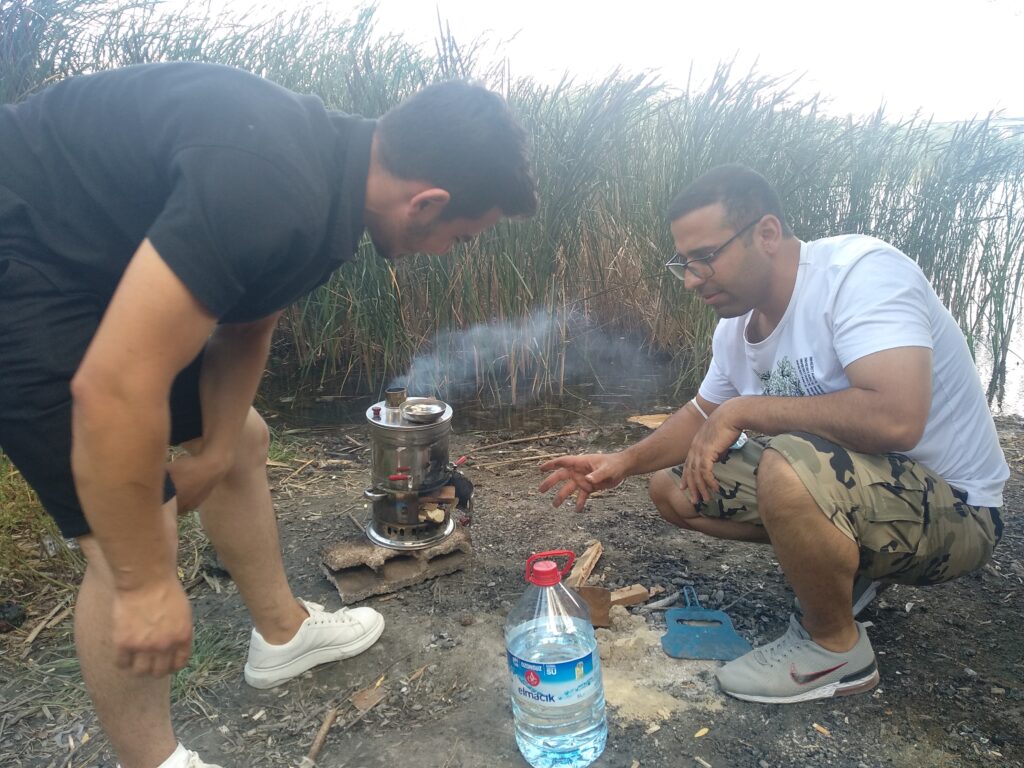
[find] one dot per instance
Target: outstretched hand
(582, 475)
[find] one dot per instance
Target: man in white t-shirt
(879, 460)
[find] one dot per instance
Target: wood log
(637, 593)
(598, 600)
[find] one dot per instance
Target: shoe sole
(269, 677)
(827, 691)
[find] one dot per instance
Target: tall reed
(609, 156)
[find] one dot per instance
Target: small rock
(970, 672)
(12, 616)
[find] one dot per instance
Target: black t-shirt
(252, 194)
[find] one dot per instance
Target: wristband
(699, 409)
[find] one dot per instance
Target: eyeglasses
(700, 267)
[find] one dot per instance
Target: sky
(951, 59)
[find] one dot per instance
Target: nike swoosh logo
(800, 679)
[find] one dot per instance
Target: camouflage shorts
(911, 526)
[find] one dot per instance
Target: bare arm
(665, 447)
(151, 330)
(884, 410)
(233, 363)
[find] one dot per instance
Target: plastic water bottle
(556, 688)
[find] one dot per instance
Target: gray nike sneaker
(795, 668)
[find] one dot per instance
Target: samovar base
(407, 537)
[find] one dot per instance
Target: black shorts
(44, 332)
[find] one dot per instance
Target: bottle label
(565, 682)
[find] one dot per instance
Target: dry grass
(40, 682)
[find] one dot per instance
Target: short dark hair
(744, 193)
(464, 139)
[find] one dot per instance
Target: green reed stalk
(609, 156)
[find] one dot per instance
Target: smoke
(527, 360)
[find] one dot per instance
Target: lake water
(1013, 395)
(610, 400)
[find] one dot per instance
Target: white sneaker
(183, 758)
(194, 762)
(321, 638)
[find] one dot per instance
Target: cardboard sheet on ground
(651, 421)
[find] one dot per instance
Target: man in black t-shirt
(154, 222)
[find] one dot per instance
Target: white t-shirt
(856, 295)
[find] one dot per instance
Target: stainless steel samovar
(415, 488)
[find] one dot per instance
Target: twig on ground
(321, 736)
(360, 526)
(293, 474)
(525, 440)
(451, 755)
(42, 625)
(730, 605)
(519, 459)
(658, 605)
(60, 617)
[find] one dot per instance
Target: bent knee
(777, 480)
(253, 443)
(669, 499)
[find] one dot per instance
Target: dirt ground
(432, 692)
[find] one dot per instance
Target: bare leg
(135, 712)
(239, 519)
(677, 509)
(819, 561)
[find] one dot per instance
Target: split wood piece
(360, 569)
(444, 495)
(585, 565)
(598, 600)
(637, 593)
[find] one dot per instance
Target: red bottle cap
(545, 574)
